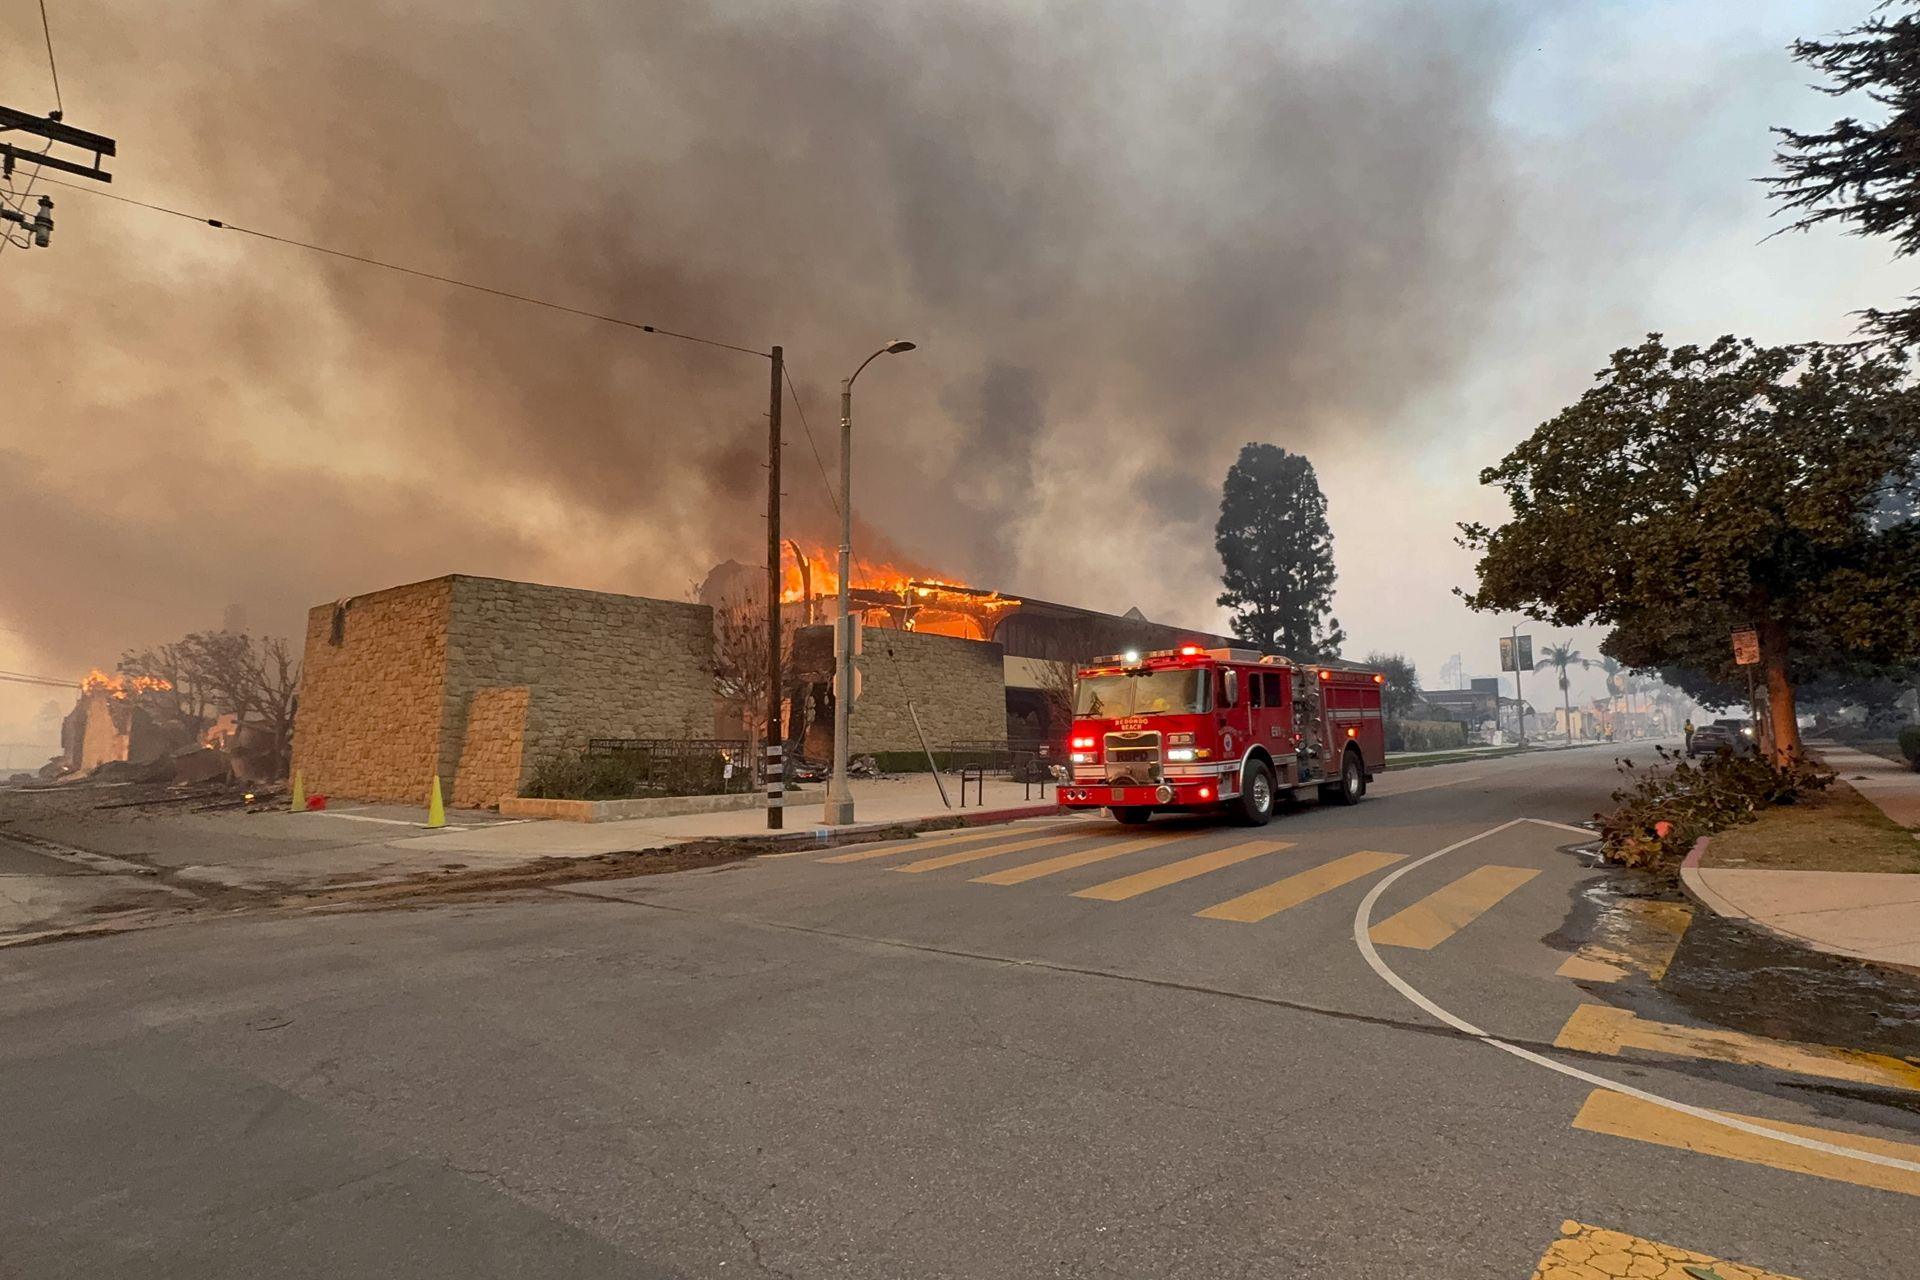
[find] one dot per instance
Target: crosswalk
(1151, 862)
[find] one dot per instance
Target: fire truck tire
(1353, 779)
(1254, 808)
(1131, 815)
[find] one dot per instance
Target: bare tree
(740, 661)
(210, 672)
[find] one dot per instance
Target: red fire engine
(1196, 729)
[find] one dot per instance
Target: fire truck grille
(1133, 758)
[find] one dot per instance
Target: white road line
(1428, 786)
(1363, 925)
(366, 817)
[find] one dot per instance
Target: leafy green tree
(1695, 489)
(1560, 657)
(1276, 550)
(1865, 175)
(1401, 693)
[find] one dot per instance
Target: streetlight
(839, 805)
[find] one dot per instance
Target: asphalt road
(1138, 1066)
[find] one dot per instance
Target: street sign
(1746, 647)
(1510, 660)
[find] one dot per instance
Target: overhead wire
(817, 461)
(222, 225)
(21, 677)
(52, 66)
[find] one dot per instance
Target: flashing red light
(1083, 742)
(1206, 793)
(1379, 679)
(1353, 733)
(1189, 650)
(1325, 674)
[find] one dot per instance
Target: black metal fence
(1029, 760)
(678, 766)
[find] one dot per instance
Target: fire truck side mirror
(1230, 688)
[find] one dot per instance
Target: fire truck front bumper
(1175, 793)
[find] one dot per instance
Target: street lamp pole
(839, 804)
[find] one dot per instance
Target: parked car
(1736, 736)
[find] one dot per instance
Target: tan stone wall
(958, 686)
(491, 754)
(370, 707)
(474, 679)
(597, 665)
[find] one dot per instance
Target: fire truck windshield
(1142, 693)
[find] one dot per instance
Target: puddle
(1735, 976)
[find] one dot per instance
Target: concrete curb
(1693, 880)
(942, 822)
(618, 810)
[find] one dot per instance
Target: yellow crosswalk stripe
(1249, 908)
(1636, 934)
(1585, 1252)
(1620, 1116)
(1078, 858)
(991, 851)
(1447, 910)
(1599, 1028)
(1186, 869)
(886, 847)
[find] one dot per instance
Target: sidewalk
(1866, 914)
(349, 844)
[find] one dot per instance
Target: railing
(682, 766)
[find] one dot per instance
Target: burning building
(111, 721)
(979, 666)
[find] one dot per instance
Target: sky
(1128, 238)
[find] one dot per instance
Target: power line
(24, 193)
(52, 66)
(810, 444)
(222, 225)
(20, 677)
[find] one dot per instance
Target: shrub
(1663, 811)
(626, 775)
(1910, 745)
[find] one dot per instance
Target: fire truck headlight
(1081, 757)
(1180, 753)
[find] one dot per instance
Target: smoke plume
(1127, 237)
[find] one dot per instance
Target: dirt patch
(543, 872)
(1833, 830)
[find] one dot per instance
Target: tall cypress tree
(1276, 551)
(1863, 174)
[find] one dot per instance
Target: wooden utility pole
(775, 772)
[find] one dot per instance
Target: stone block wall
(492, 749)
(596, 665)
(957, 685)
(371, 686)
(474, 679)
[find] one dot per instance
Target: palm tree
(1562, 656)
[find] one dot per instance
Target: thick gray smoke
(1128, 237)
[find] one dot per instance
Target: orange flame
(121, 687)
(915, 600)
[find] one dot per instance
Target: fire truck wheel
(1353, 779)
(1255, 807)
(1132, 815)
